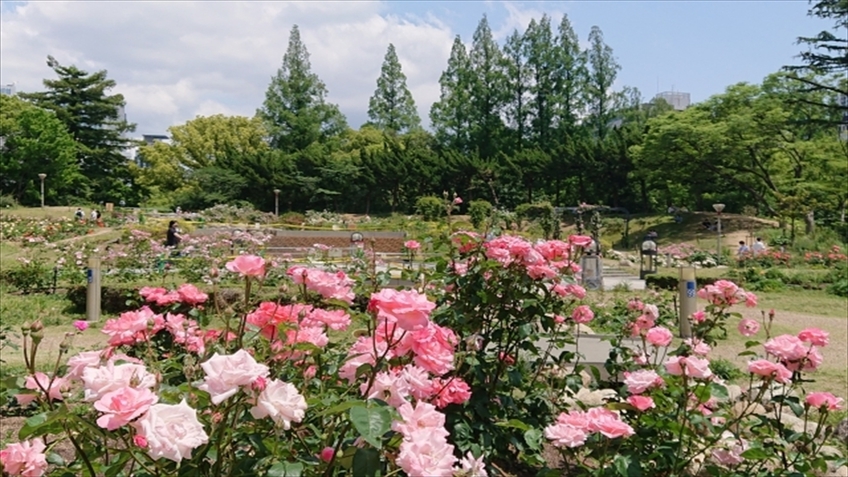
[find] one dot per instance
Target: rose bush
(474, 369)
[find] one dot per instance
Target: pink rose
(582, 314)
(412, 245)
(580, 240)
(608, 423)
(247, 266)
(457, 200)
(652, 311)
(130, 327)
(748, 327)
(423, 416)
(327, 454)
(644, 322)
(768, 369)
(151, 294)
(78, 363)
(418, 381)
(821, 399)
(41, 381)
(691, 366)
(424, 453)
(333, 286)
(281, 402)
(226, 373)
(450, 391)
(786, 348)
(408, 308)
(563, 435)
(698, 347)
(699, 316)
(171, 431)
(659, 336)
(122, 406)
(81, 325)
(814, 336)
(642, 403)
(191, 294)
(575, 419)
(640, 381)
(750, 299)
(25, 458)
(102, 380)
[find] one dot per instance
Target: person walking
(759, 247)
(173, 237)
(743, 249)
(79, 214)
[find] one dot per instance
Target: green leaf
(718, 391)
(621, 463)
(755, 453)
(751, 344)
(797, 409)
(366, 463)
(44, 423)
(341, 407)
(55, 459)
(371, 423)
(285, 469)
(117, 466)
(515, 424)
(533, 438)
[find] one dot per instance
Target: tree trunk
(810, 223)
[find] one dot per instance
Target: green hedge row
(670, 282)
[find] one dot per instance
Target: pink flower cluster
(139, 326)
(25, 458)
(725, 293)
(543, 260)
(425, 449)
(409, 309)
(332, 286)
(690, 366)
(186, 293)
(792, 352)
(296, 323)
(573, 428)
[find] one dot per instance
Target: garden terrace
(293, 241)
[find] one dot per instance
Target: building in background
(7, 89)
(146, 140)
(678, 100)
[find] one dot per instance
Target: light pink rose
(575, 419)
(750, 300)
(815, 337)
(786, 347)
(698, 347)
(691, 366)
(412, 245)
(748, 327)
(388, 386)
(333, 286)
(191, 294)
(608, 423)
(418, 381)
(78, 363)
(652, 311)
(123, 405)
(226, 373)
(580, 240)
(111, 377)
(768, 369)
(333, 319)
(822, 399)
(563, 435)
(644, 322)
(640, 381)
(130, 327)
(41, 381)
(25, 458)
(659, 336)
(410, 309)
(281, 402)
(424, 453)
(728, 457)
(582, 314)
(642, 403)
(422, 416)
(471, 466)
(151, 294)
(171, 431)
(247, 266)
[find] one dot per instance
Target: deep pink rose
(457, 200)
(659, 336)
(821, 399)
(327, 454)
(580, 240)
(699, 316)
(450, 391)
(408, 308)
(81, 325)
(247, 266)
(768, 369)
(582, 314)
(25, 458)
(642, 403)
(748, 327)
(814, 336)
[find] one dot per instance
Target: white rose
(281, 402)
(171, 431)
(109, 377)
(224, 374)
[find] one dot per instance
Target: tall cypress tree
(295, 110)
(542, 63)
(517, 89)
(488, 90)
(450, 115)
(602, 72)
(392, 108)
(92, 117)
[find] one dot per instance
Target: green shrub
(480, 211)
(430, 207)
(7, 201)
(292, 218)
(670, 282)
(31, 275)
(725, 369)
(542, 213)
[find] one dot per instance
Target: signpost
(688, 300)
(92, 303)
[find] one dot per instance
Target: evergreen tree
(487, 91)
(392, 108)
(542, 63)
(92, 117)
(295, 111)
(518, 89)
(602, 72)
(450, 115)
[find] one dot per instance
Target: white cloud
(175, 60)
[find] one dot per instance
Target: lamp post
(718, 208)
(277, 202)
(42, 176)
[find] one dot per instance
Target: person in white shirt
(759, 247)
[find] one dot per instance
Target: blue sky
(175, 60)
